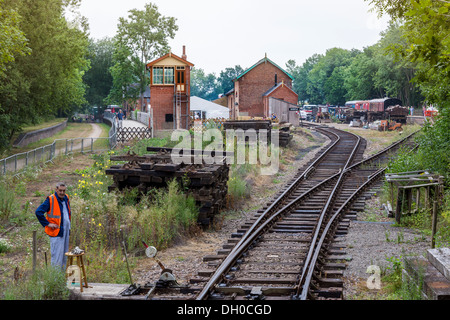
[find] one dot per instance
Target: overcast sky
(221, 34)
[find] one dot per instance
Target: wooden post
(417, 199)
(440, 188)
(398, 210)
(434, 224)
(392, 192)
(34, 250)
(409, 199)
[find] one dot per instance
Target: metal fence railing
(111, 118)
(60, 147)
(64, 147)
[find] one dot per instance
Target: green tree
(98, 78)
(426, 27)
(204, 85)
(146, 34)
(125, 75)
(12, 40)
(48, 81)
(394, 75)
(226, 77)
(301, 77)
(360, 74)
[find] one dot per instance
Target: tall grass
(11, 211)
(45, 284)
(162, 217)
(405, 161)
(102, 220)
(238, 187)
(8, 204)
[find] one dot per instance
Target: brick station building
(170, 91)
(253, 88)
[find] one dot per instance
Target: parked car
(307, 112)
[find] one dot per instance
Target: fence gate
(133, 133)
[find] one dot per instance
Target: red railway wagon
(362, 105)
(380, 105)
(358, 104)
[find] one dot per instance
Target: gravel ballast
(368, 243)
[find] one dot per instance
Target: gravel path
(372, 243)
(377, 244)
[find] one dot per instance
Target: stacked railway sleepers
(249, 125)
(285, 136)
(284, 133)
(207, 183)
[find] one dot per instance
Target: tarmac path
(88, 138)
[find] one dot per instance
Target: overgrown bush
(399, 287)
(162, 217)
(433, 154)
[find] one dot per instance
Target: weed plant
(443, 232)
(8, 204)
(399, 287)
(45, 284)
(238, 187)
(5, 247)
(102, 219)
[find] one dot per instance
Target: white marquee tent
(208, 110)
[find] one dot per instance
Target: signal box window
(158, 75)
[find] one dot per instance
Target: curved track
(284, 252)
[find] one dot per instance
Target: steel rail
(305, 288)
(284, 195)
(233, 256)
(312, 266)
(251, 234)
(239, 247)
(308, 261)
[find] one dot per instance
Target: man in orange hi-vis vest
(54, 215)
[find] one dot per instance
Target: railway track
(291, 249)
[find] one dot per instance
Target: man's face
(61, 191)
